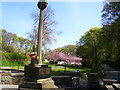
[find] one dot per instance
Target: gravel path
(59, 67)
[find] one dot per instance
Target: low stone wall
(11, 78)
(62, 80)
(112, 75)
(66, 80)
(5, 78)
(93, 81)
(17, 78)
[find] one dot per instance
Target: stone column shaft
(40, 30)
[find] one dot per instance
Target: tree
(33, 37)
(111, 31)
(21, 41)
(90, 47)
(9, 37)
(110, 12)
(59, 56)
(10, 49)
(15, 39)
(48, 27)
(27, 45)
(12, 43)
(69, 49)
(4, 37)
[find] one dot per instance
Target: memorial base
(37, 77)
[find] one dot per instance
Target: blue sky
(74, 19)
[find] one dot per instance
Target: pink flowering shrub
(69, 59)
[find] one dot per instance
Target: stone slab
(40, 84)
(8, 87)
(109, 81)
(109, 87)
(17, 74)
(117, 86)
(44, 80)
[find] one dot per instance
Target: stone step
(30, 86)
(48, 84)
(8, 87)
(40, 84)
(27, 89)
(116, 86)
(17, 74)
(109, 81)
(109, 87)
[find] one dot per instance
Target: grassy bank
(15, 64)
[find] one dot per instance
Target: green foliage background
(14, 56)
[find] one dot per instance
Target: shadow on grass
(55, 73)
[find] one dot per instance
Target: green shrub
(14, 56)
(13, 59)
(12, 63)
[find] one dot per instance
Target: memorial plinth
(37, 77)
(34, 72)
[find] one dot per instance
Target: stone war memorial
(37, 75)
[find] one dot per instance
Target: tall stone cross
(42, 4)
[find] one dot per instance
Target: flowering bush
(69, 59)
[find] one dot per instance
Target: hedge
(14, 56)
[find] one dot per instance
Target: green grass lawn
(14, 64)
(17, 65)
(55, 69)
